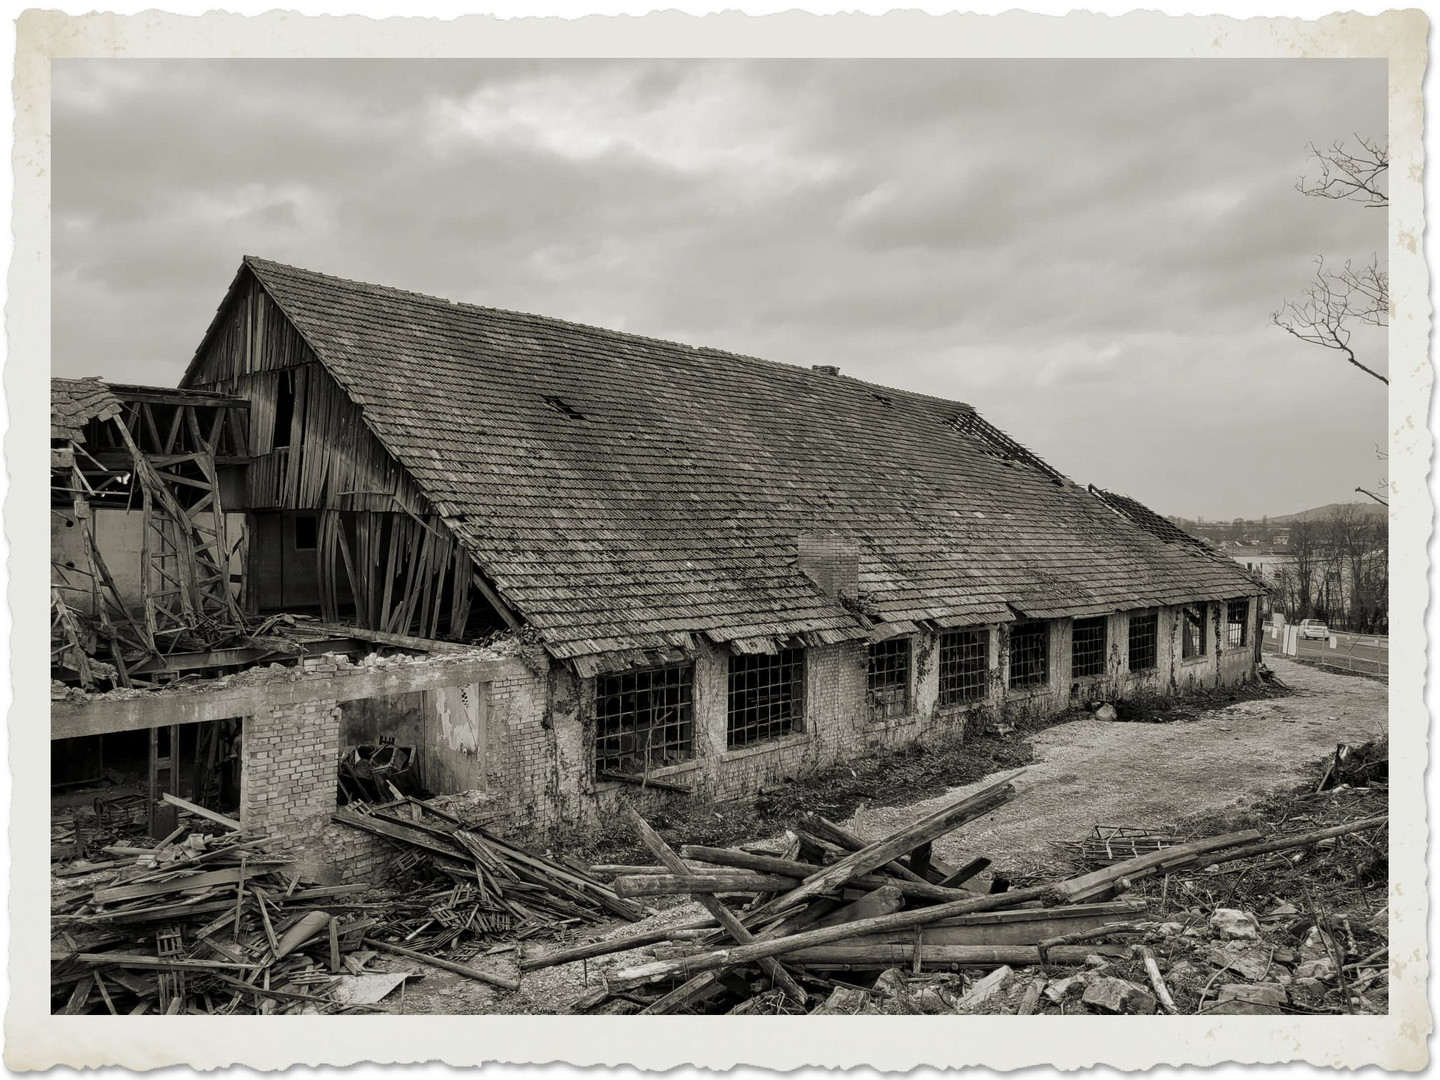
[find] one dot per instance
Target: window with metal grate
(767, 697)
(1087, 647)
(887, 679)
(644, 719)
(1144, 639)
(964, 665)
(1029, 654)
(1237, 621)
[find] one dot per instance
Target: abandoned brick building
(562, 562)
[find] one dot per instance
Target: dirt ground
(1091, 772)
(1085, 772)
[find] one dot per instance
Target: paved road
(1368, 652)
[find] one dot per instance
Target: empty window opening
(1237, 621)
(767, 697)
(1144, 635)
(1029, 654)
(284, 410)
(887, 679)
(307, 532)
(1087, 647)
(1192, 641)
(561, 406)
(964, 665)
(644, 719)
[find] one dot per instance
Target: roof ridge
(261, 263)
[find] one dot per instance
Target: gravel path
(1090, 772)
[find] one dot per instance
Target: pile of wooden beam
(199, 924)
(505, 882)
(789, 924)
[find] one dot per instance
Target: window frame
(789, 668)
(881, 709)
(1137, 620)
(613, 686)
(1096, 656)
(1035, 679)
(1242, 624)
(1194, 629)
(959, 672)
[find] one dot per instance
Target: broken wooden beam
(501, 981)
(887, 955)
(878, 854)
(628, 885)
(771, 864)
(662, 970)
(657, 846)
(612, 945)
(1098, 882)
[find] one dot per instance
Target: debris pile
(217, 923)
(202, 924)
(503, 883)
(837, 925)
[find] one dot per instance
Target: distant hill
(1372, 509)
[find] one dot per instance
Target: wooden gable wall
(384, 559)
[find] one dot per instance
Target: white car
(1314, 628)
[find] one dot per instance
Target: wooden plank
(504, 982)
(899, 955)
(876, 855)
(656, 845)
(628, 885)
(200, 811)
(771, 864)
(1101, 881)
(611, 945)
(184, 883)
(644, 974)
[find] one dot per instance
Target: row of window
(645, 719)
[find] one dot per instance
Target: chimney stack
(832, 562)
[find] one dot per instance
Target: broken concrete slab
(1232, 924)
(986, 989)
(1258, 994)
(1112, 995)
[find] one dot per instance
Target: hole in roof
(560, 405)
(882, 399)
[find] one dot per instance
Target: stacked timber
(784, 932)
(504, 883)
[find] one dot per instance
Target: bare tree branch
(1355, 175)
(1324, 312)
(1370, 494)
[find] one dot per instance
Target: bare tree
(1337, 300)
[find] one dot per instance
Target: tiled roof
(74, 402)
(625, 493)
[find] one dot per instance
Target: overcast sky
(1087, 251)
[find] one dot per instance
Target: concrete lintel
(103, 715)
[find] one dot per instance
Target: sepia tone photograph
(612, 537)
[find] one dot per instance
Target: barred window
(1192, 626)
(644, 719)
(1087, 647)
(1144, 634)
(964, 665)
(1237, 621)
(767, 697)
(1029, 654)
(887, 679)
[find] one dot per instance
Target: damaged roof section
(664, 500)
